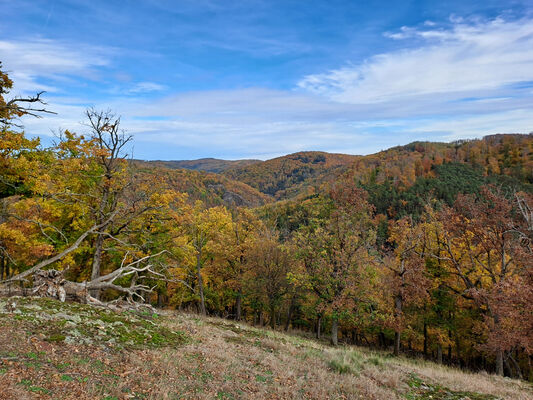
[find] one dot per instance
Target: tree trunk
(261, 318)
(425, 340)
(318, 326)
(335, 332)
(97, 262)
(200, 282)
(397, 337)
(238, 306)
(439, 354)
(499, 362)
(516, 367)
(382, 340)
(2, 263)
(272, 318)
(397, 333)
(289, 315)
(99, 243)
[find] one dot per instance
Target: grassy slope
(50, 350)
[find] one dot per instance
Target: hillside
(213, 189)
(299, 173)
(286, 176)
(204, 164)
(502, 154)
(73, 351)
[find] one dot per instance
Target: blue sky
(258, 79)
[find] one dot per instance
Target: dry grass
(223, 360)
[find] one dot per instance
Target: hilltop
(73, 351)
(204, 164)
(214, 189)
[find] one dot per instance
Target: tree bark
(439, 354)
(516, 366)
(272, 318)
(238, 306)
(425, 340)
(97, 263)
(200, 282)
(318, 326)
(397, 339)
(335, 332)
(289, 315)
(499, 362)
(397, 333)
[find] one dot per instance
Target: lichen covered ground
(50, 350)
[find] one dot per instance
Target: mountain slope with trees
(213, 189)
(204, 164)
(289, 175)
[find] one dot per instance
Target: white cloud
(28, 61)
(466, 58)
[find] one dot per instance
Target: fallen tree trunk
(52, 283)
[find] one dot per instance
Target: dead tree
(52, 283)
(105, 131)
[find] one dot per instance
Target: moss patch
(75, 323)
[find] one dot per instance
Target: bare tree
(112, 142)
(51, 283)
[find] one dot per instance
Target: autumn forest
(424, 250)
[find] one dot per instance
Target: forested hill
(286, 176)
(502, 154)
(212, 189)
(401, 180)
(204, 164)
(504, 158)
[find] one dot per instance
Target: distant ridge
(303, 173)
(205, 164)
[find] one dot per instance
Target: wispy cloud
(29, 61)
(470, 57)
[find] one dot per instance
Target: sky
(262, 78)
